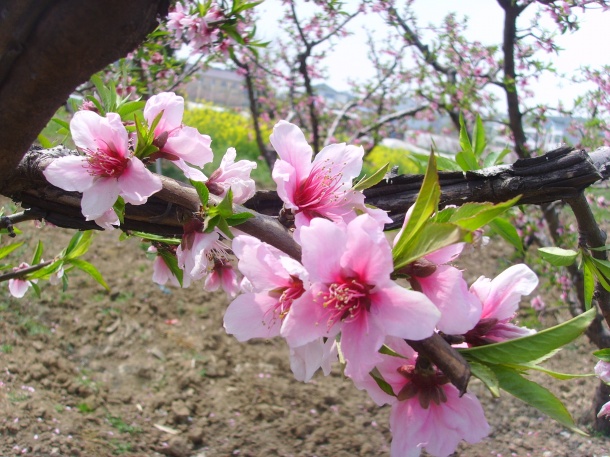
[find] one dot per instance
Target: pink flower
(222, 275)
(500, 298)
(18, 287)
(602, 371)
(194, 253)
(162, 273)
(176, 142)
(322, 188)
(107, 169)
(276, 281)
(349, 267)
(233, 175)
(427, 411)
(445, 286)
(604, 410)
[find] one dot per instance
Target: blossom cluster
(343, 300)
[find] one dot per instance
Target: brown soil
(149, 371)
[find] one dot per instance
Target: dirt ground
(149, 371)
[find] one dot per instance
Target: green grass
(6, 348)
(122, 426)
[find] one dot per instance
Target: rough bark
(47, 49)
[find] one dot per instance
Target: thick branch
(48, 48)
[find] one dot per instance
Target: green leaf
(153, 237)
(6, 250)
(79, 244)
(495, 157)
(202, 191)
(507, 231)
(129, 107)
(375, 178)
(36, 288)
(603, 354)
(119, 209)
(238, 218)
(47, 271)
(557, 256)
(425, 205)
(466, 158)
(382, 383)
(589, 282)
(601, 248)
(487, 377)
(554, 374)
(478, 136)
(44, 141)
(63, 124)
(225, 207)
(37, 254)
(432, 237)
(473, 216)
(535, 395)
(532, 347)
(385, 349)
(90, 270)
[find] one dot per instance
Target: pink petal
(285, 177)
(446, 254)
(172, 106)
(460, 309)
(323, 245)
(306, 321)
(403, 313)
(69, 173)
(90, 131)
(251, 316)
(290, 144)
(191, 146)
(305, 360)
(99, 198)
(367, 251)
(502, 295)
(137, 183)
(18, 287)
(108, 220)
(190, 172)
(604, 410)
(361, 340)
(342, 160)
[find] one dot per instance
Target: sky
(588, 46)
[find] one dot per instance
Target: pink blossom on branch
(322, 188)
(18, 287)
(427, 411)
(233, 175)
(177, 143)
(107, 169)
(500, 298)
(351, 293)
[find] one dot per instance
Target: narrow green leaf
(44, 141)
(238, 218)
(589, 283)
(128, 108)
(534, 395)
(487, 377)
(63, 124)
(425, 205)
(478, 136)
(202, 191)
(473, 216)
(225, 207)
(432, 237)
(601, 248)
(385, 349)
(382, 383)
(562, 376)
(532, 347)
(495, 157)
(37, 254)
(82, 244)
(90, 270)
(603, 354)
(153, 237)
(375, 178)
(36, 289)
(119, 209)
(45, 272)
(507, 231)
(6, 250)
(557, 256)
(466, 158)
